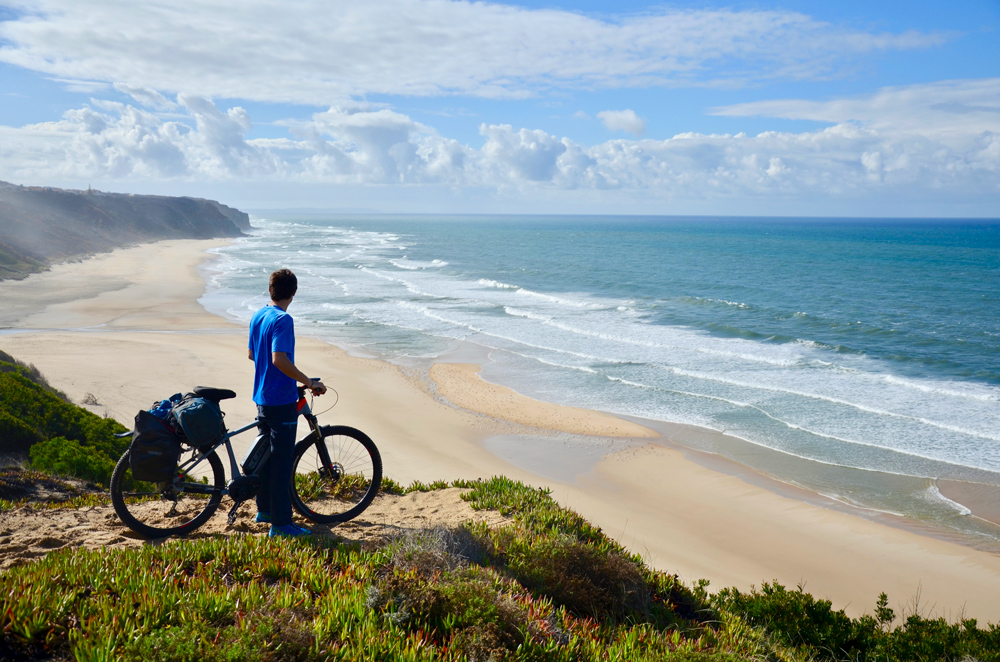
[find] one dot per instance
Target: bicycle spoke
(340, 489)
(168, 508)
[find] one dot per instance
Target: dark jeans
(279, 422)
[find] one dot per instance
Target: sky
(772, 108)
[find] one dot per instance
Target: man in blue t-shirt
(275, 384)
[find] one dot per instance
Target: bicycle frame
(235, 474)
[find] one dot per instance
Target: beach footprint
(50, 543)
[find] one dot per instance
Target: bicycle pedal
(233, 512)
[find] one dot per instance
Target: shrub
(18, 437)
(921, 638)
(435, 550)
(67, 457)
(588, 580)
(794, 618)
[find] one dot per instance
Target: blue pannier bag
(198, 420)
(162, 408)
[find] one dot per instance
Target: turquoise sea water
(868, 349)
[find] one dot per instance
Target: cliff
(39, 226)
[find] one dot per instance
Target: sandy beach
(127, 328)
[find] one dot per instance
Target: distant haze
(39, 225)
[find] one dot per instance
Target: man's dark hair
(283, 285)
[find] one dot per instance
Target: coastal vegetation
(548, 585)
(39, 424)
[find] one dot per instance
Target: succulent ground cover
(542, 585)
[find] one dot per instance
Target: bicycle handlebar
(302, 389)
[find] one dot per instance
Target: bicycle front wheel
(169, 508)
(336, 476)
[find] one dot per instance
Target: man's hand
(285, 365)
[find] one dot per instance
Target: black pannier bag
(198, 419)
(155, 449)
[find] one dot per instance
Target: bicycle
(336, 473)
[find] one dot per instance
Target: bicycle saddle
(213, 394)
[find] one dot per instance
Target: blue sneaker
(262, 517)
(289, 530)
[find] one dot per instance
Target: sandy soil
(127, 328)
(27, 534)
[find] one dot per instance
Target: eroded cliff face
(39, 226)
(239, 218)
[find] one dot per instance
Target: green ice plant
(417, 486)
(548, 586)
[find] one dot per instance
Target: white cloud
(219, 145)
(118, 141)
(81, 86)
(521, 155)
(147, 97)
(322, 51)
(946, 110)
(623, 120)
(378, 146)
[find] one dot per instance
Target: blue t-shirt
(272, 330)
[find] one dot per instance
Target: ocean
(857, 358)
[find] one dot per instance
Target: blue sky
(433, 106)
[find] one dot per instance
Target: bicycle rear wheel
(170, 508)
(336, 478)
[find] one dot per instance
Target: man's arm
(285, 365)
(250, 353)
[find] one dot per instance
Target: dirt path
(28, 534)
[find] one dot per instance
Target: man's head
(283, 285)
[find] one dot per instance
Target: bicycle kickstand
(233, 513)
